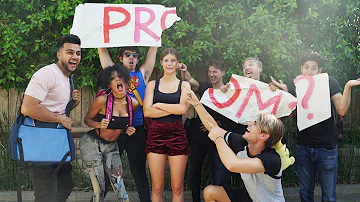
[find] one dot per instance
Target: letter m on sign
(272, 101)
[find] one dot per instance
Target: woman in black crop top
(110, 116)
(164, 105)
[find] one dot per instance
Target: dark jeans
(237, 194)
(198, 152)
(310, 161)
(56, 189)
(135, 149)
(221, 173)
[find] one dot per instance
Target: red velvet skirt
(166, 138)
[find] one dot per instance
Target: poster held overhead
(116, 25)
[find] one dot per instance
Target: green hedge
(276, 31)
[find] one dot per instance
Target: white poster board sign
(247, 98)
(313, 104)
(115, 25)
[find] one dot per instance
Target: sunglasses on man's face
(128, 54)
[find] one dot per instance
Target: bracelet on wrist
(218, 138)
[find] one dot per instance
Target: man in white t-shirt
(45, 100)
(249, 154)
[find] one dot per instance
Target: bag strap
(21, 152)
(70, 104)
(21, 166)
(19, 170)
(21, 163)
(130, 109)
(109, 106)
(136, 93)
(56, 169)
(109, 103)
(101, 92)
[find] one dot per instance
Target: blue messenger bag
(43, 142)
(35, 141)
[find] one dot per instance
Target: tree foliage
(275, 31)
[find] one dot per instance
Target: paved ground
(345, 193)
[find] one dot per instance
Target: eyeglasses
(128, 54)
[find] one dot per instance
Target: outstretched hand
(191, 97)
(273, 85)
(215, 131)
(203, 128)
(353, 83)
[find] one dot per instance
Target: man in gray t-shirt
(249, 154)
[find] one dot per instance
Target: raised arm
(342, 101)
(149, 64)
(273, 85)
(105, 58)
(216, 134)
(229, 158)
(31, 107)
(177, 109)
(186, 76)
(149, 110)
(207, 120)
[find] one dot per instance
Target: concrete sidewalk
(345, 193)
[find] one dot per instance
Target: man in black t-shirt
(200, 143)
(250, 155)
(316, 148)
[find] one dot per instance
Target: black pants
(221, 173)
(135, 149)
(56, 189)
(238, 194)
(198, 151)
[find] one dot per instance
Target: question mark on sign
(309, 91)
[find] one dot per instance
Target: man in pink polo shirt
(45, 100)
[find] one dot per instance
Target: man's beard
(66, 68)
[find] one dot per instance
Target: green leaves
(275, 31)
